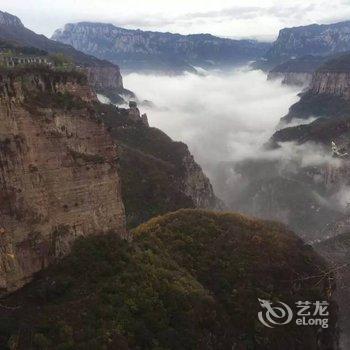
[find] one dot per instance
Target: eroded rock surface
(58, 177)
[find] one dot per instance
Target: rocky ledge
(291, 78)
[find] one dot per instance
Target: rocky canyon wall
(332, 83)
(58, 177)
(292, 78)
(105, 77)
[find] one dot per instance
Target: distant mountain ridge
(145, 50)
(314, 39)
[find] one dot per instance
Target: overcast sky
(237, 19)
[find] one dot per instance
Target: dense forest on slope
(189, 280)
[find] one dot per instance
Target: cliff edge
(58, 177)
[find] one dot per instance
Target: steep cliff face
(197, 186)
(58, 177)
(328, 96)
(108, 82)
(327, 100)
(297, 71)
(291, 78)
(104, 78)
(143, 50)
(331, 83)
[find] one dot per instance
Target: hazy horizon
(249, 19)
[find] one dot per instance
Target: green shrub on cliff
(151, 167)
(61, 61)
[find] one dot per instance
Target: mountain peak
(9, 20)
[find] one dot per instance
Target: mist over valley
(164, 186)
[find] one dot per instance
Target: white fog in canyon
(225, 117)
(219, 116)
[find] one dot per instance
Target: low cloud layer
(222, 117)
(225, 119)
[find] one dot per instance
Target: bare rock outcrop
(58, 177)
(302, 79)
(197, 186)
(331, 83)
(137, 50)
(105, 77)
(107, 81)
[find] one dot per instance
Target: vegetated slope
(338, 64)
(189, 280)
(318, 105)
(322, 130)
(20, 50)
(158, 175)
(337, 252)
